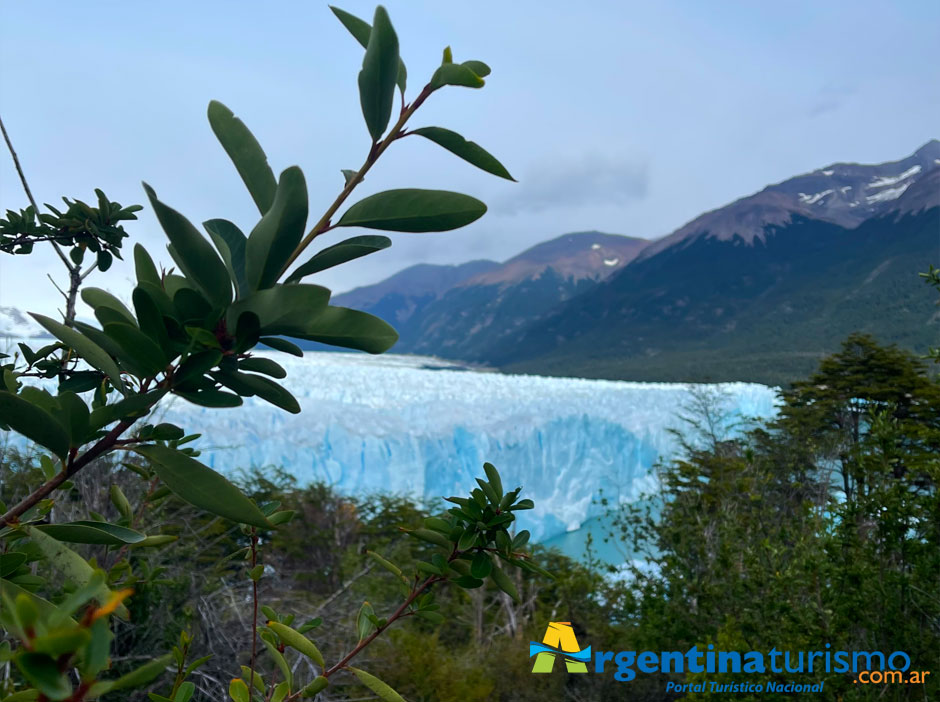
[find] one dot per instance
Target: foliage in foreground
(190, 333)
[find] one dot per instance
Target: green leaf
(414, 210)
(467, 540)
(89, 532)
(495, 481)
(481, 565)
(138, 345)
(298, 641)
(246, 384)
(35, 423)
(283, 309)
(361, 30)
(279, 232)
(340, 326)
(231, 243)
(201, 486)
(70, 564)
(150, 320)
(478, 67)
(140, 676)
(282, 345)
(432, 537)
(364, 620)
(386, 564)
(467, 150)
(132, 407)
(10, 562)
(247, 155)
(42, 672)
(238, 690)
(339, 253)
(144, 267)
(262, 365)
(385, 693)
(279, 660)
(523, 504)
(521, 539)
(97, 298)
(211, 398)
(455, 74)
(318, 685)
(504, 583)
(91, 352)
(283, 689)
(379, 74)
(195, 256)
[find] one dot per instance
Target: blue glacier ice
(413, 426)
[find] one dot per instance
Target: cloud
(588, 179)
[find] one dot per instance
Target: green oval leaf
(246, 384)
(97, 298)
(194, 255)
(138, 345)
(210, 398)
(379, 74)
(504, 583)
(91, 352)
(35, 423)
(201, 486)
(262, 365)
(70, 564)
(279, 232)
(282, 345)
(414, 210)
(246, 153)
(339, 253)
(351, 329)
(231, 243)
(10, 562)
(144, 267)
(361, 30)
(298, 641)
(89, 532)
(467, 150)
(385, 693)
(455, 74)
(478, 67)
(42, 672)
(283, 309)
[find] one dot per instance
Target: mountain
(761, 289)
(464, 315)
(398, 298)
(843, 193)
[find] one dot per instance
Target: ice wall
(413, 426)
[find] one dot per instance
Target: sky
(625, 117)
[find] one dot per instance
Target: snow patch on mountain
(892, 180)
(888, 194)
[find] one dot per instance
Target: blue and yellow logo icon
(559, 640)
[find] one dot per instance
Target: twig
(29, 193)
(378, 148)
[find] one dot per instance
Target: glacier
(422, 427)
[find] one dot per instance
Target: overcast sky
(626, 117)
